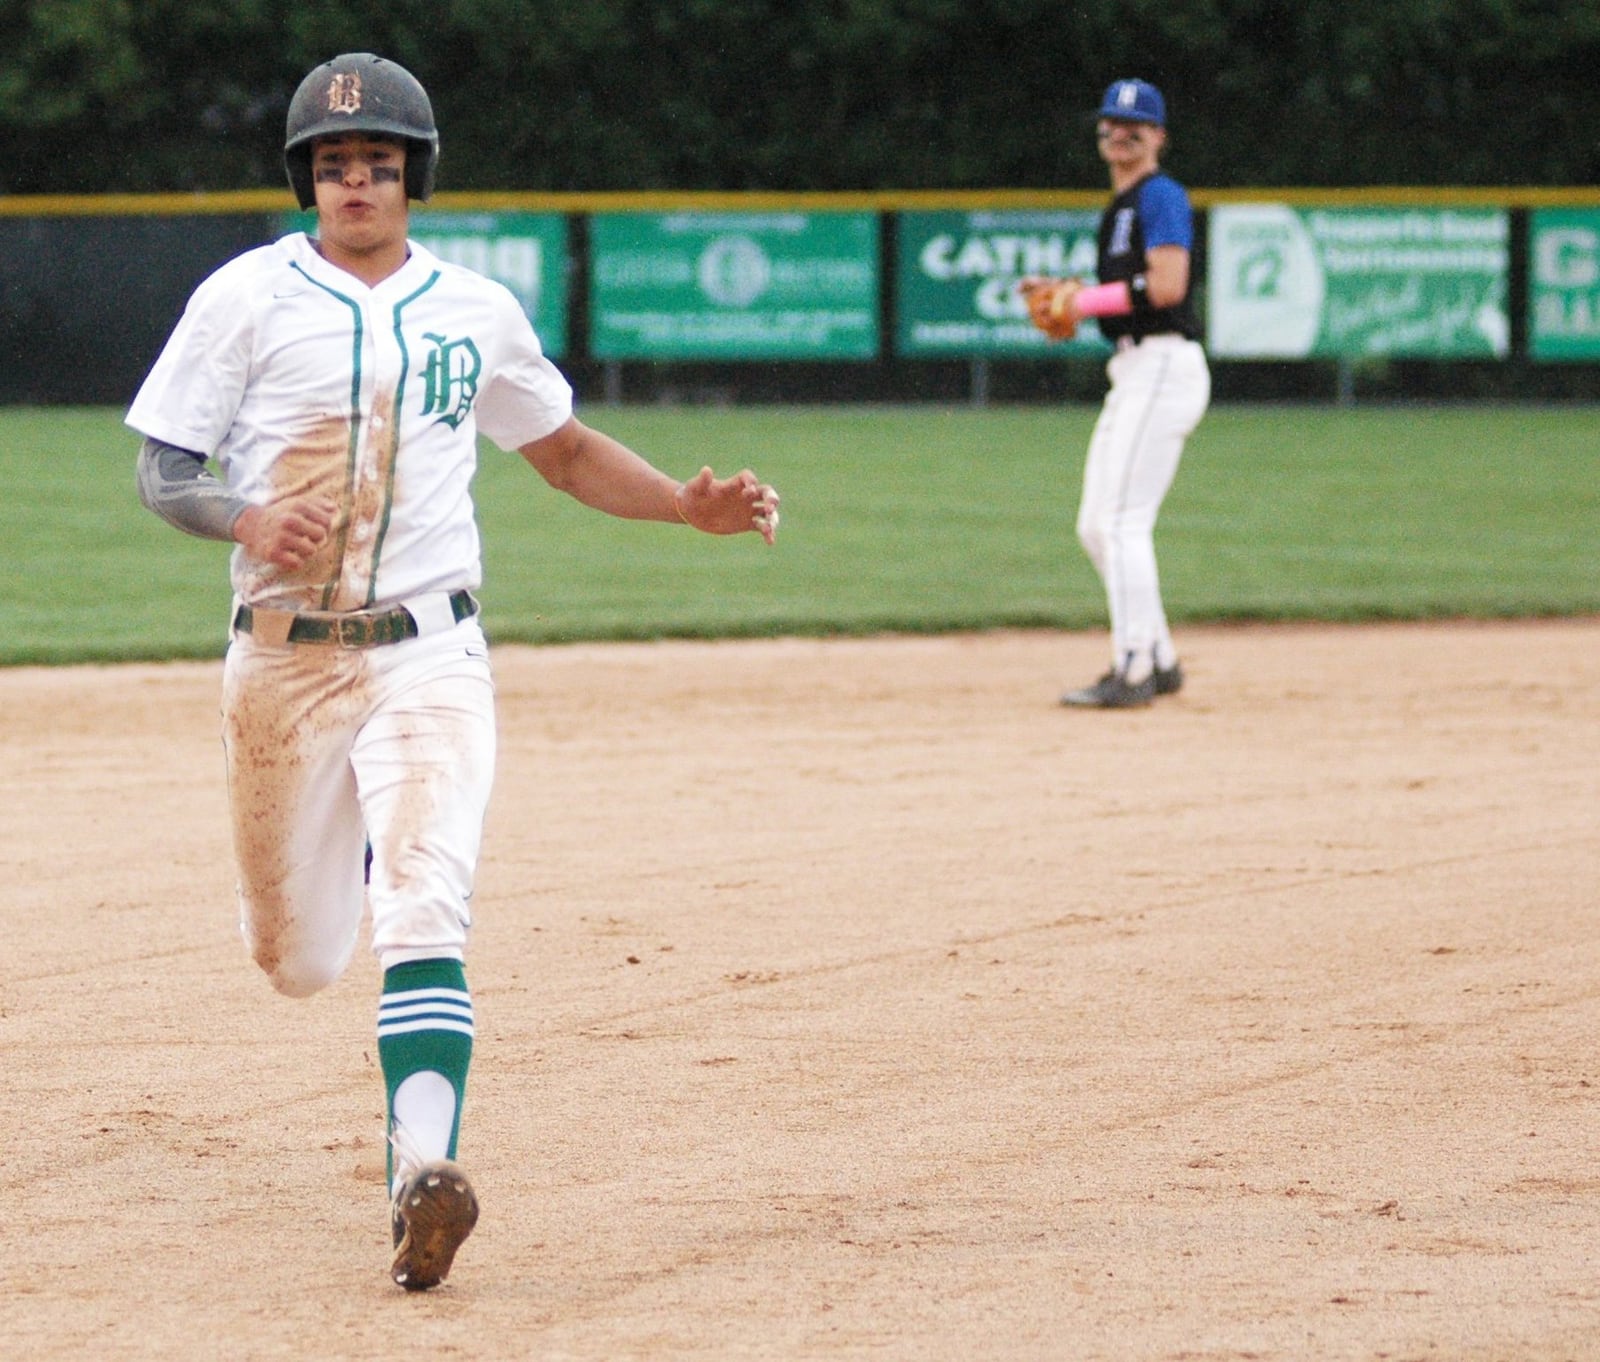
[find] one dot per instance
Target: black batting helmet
(358, 92)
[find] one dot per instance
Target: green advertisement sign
(1564, 283)
(1349, 283)
(527, 252)
(956, 278)
(733, 286)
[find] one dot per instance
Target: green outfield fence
(1324, 294)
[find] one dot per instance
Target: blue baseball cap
(1136, 100)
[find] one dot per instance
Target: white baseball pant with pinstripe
(1160, 389)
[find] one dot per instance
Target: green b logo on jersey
(451, 375)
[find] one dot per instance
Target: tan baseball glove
(1050, 305)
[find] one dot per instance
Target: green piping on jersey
(355, 425)
(394, 431)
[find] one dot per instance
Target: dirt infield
(849, 999)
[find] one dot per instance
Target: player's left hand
(729, 505)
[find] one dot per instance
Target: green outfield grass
(894, 519)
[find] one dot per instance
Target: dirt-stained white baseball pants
(1159, 391)
(328, 748)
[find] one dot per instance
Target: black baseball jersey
(1153, 212)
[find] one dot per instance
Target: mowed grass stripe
(914, 519)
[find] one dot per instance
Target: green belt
(359, 628)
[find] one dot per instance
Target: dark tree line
(154, 95)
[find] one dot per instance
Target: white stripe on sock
(426, 1009)
(413, 995)
(423, 1024)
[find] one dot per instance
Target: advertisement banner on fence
(1564, 283)
(527, 252)
(733, 286)
(956, 280)
(1350, 283)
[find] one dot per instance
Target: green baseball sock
(424, 1048)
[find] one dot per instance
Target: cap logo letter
(1128, 95)
(344, 93)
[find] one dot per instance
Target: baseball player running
(340, 382)
(1160, 387)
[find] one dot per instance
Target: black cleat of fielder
(1112, 691)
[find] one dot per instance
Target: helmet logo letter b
(344, 93)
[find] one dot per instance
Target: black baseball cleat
(1169, 680)
(1113, 691)
(434, 1212)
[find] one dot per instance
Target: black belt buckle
(354, 631)
(366, 630)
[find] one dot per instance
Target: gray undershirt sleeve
(175, 485)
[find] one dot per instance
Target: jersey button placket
(373, 470)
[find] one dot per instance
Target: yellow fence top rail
(880, 201)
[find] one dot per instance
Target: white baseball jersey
(296, 377)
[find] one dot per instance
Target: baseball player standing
(1160, 387)
(341, 382)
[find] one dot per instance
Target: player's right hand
(286, 533)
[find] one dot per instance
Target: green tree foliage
(102, 95)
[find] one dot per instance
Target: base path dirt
(851, 999)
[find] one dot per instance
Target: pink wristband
(1103, 300)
